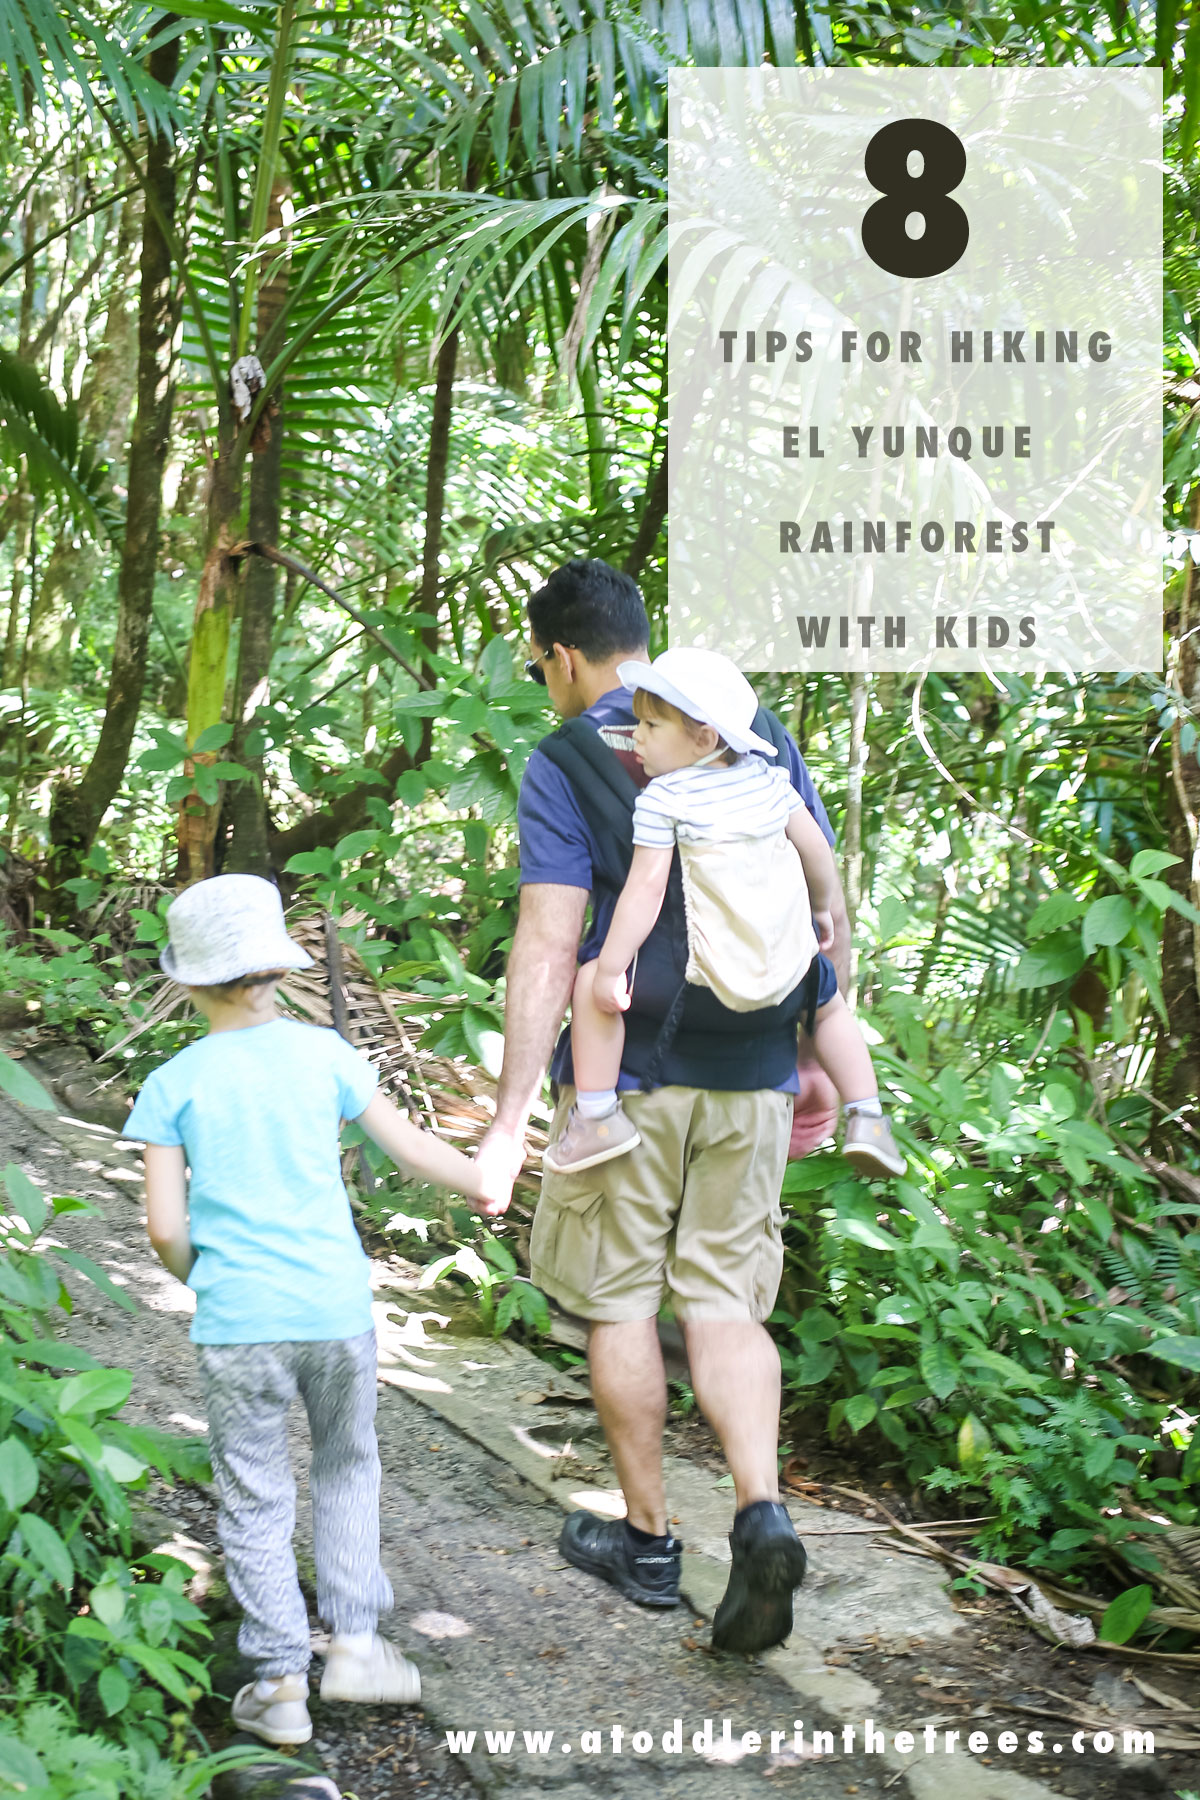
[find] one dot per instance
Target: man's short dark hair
(592, 607)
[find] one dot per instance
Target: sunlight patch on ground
(608, 1502)
(410, 1378)
(441, 1625)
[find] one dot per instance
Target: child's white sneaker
(375, 1674)
(275, 1710)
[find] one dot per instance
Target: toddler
(758, 883)
(262, 1231)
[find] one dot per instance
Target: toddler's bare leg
(597, 1038)
(842, 1052)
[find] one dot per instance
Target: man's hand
(610, 993)
(497, 1164)
(816, 1110)
(825, 936)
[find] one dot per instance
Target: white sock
(596, 1102)
(358, 1643)
(870, 1109)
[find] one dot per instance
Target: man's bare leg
(736, 1378)
(630, 1390)
(736, 1381)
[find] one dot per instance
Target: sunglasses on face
(534, 669)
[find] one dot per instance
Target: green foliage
(1017, 1318)
(89, 1617)
(504, 1296)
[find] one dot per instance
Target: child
(263, 1233)
(758, 875)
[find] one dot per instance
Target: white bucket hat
(706, 686)
(228, 926)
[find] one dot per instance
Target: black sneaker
(768, 1562)
(603, 1547)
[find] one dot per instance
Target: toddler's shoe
(275, 1710)
(376, 1675)
(583, 1143)
(871, 1147)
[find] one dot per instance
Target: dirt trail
(507, 1635)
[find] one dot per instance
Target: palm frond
(36, 425)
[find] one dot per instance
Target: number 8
(944, 163)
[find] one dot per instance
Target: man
(697, 1205)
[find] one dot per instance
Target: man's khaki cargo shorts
(695, 1204)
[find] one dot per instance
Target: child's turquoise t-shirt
(258, 1113)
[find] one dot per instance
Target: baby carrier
(677, 1031)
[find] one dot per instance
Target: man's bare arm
(541, 973)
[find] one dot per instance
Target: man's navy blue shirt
(559, 847)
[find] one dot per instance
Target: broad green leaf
(865, 1231)
(1059, 958)
(356, 844)
(1054, 912)
(18, 1474)
(1184, 1352)
(939, 1367)
(26, 1198)
(95, 1391)
(20, 1085)
(1106, 921)
(46, 1546)
(1127, 1612)
(311, 862)
(1150, 862)
(214, 738)
(973, 1442)
(860, 1410)
(107, 1601)
(114, 1691)
(120, 1465)
(1071, 1539)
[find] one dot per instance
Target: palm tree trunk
(1177, 1051)
(218, 592)
(76, 812)
(248, 852)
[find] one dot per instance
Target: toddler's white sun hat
(228, 926)
(706, 686)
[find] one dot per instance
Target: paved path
(477, 1469)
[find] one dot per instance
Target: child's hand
(493, 1193)
(495, 1166)
(610, 993)
(824, 924)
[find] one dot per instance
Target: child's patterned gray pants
(248, 1389)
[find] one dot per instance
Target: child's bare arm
(428, 1157)
(166, 1208)
(635, 915)
(820, 871)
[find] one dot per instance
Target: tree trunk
(76, 812)
(852, 831)
(105, 401)
(248, 852)
(1177, 1050)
